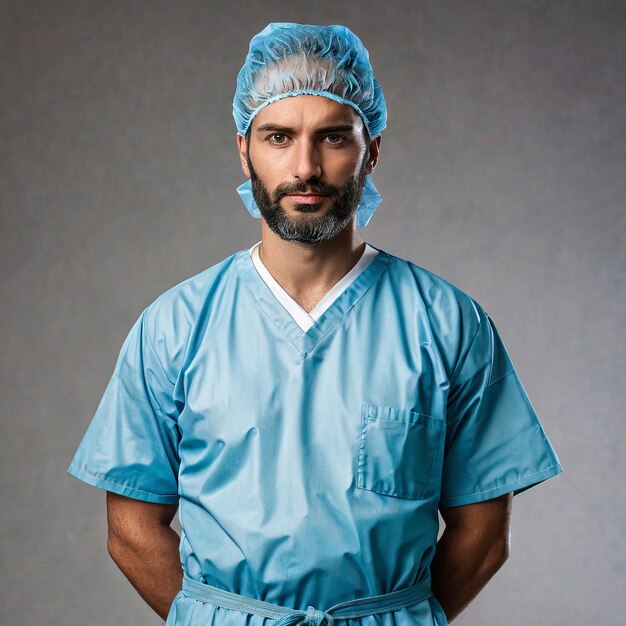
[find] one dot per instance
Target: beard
(309, 228)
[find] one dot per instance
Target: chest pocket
(400, 453)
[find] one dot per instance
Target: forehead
(308, 112)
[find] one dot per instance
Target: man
(313, 402)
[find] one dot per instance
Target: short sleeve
(131, 445)
(495, 443)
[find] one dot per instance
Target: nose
(306, 161)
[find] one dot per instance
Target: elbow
(499, 554)
(115, 546)
(120, 546)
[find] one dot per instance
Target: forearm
(149, 558)
(464, 562)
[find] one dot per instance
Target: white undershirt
(301, 317)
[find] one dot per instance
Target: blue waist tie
(285, 616)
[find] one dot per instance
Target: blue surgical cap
(287, 59)
(292, 59)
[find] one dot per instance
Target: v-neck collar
(303, 341)
(305, 319)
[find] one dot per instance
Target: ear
(374, 153)
(242, 148)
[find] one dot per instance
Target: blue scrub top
(309, 466)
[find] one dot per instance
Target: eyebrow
(285, 129)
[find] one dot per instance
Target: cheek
(345, 168)
(269, 168)
(347, 161)
(268, 178)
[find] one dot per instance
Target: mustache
(304, 188)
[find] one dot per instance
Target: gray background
(502, 170)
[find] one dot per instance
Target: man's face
(307, 145)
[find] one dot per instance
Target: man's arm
(472, 548)
(145, 548)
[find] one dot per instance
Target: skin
(144, 546)
(291, 149)
(299, 153)
(473, 547)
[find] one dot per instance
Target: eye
(335, 139)
(277, 138)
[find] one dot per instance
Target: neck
(302, 267)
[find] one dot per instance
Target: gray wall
(502, 170)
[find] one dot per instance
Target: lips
(307, 198)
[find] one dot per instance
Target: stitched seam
(349, 311)
(156, 408)
(499, 379)
(156, 356)
(362, 474)
(462, 358)
(475, 493)
(101, 477)
(258, 304)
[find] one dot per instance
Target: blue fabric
(309, 467)
(287, 59)
(285, 615)
(370, 199)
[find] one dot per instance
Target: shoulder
(187, 297)
(444, 302)
(170, 319)
(452, 317)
